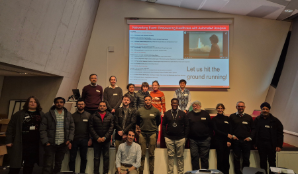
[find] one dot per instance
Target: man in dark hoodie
(267, 136)
(101, 126)
(200, 126)
(56, 132)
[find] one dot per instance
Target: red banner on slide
(180, 27)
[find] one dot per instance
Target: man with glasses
(81, 139)
(92, 94)
(242, 125)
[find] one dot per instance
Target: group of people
(34, 137)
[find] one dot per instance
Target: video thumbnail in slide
(206, 45)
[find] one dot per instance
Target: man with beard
(125, 120)
(101, 126)
(92, 94)
(56, 132)
(128, 157)
(148, 119)
(242, 125)
(200, 126)
(267, 136)
(81, 139)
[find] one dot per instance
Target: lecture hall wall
(255, 48)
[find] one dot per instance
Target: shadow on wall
(44, 88)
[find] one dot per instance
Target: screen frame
(137, 21)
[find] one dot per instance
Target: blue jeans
(98, 148)
(200, 149)
(241, 147)
(81, 145)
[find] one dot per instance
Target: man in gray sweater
(113, 95)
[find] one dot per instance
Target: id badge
(32, 128)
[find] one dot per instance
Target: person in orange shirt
(158, 98)
(158, 101)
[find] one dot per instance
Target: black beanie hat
(265, 104)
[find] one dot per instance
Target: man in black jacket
(242, 125)
(56, 132)
(267, 136)
(101, 126)
(175, 128)
(125, 119)
(200, 127)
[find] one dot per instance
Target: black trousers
(98, 148)
(82, 146)
(241, 147)
(266, 152)
(52, 152)
(199, 149)
(223, 154)
(30, 154)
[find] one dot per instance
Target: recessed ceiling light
(288, 10)
(23, 73)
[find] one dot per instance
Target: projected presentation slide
(167, 53)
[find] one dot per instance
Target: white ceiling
(269, 9)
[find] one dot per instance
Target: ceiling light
(23, 73)
(288, 10)
(151, 1)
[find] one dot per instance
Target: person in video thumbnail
(215, 51)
